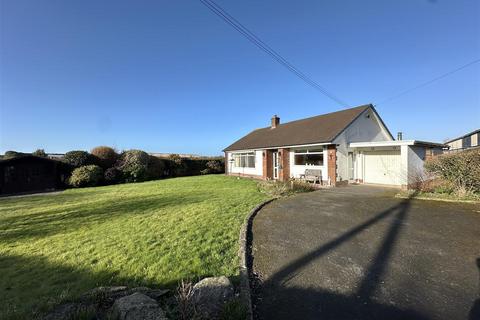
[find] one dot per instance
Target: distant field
(153, 234)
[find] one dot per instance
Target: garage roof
(395, 143)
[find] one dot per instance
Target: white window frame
(309, 152)
(240, 159)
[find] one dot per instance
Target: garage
(383, 167)
(397, 163)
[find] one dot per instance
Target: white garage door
(383, 167)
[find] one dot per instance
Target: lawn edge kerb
(244, 252)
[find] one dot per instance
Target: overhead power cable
(220, 12)
(426, 83)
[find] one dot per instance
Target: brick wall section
(332, 164)
(284, 174)
(267, 164)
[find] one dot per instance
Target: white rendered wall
(363, 129)
(416, 156)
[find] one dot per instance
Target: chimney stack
(399, 136)
(275, 121)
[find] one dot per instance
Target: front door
(275, 165)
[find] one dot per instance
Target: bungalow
(352, 145)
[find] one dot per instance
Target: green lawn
(155, 233)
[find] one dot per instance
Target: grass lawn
(155, 233)
(471, 198)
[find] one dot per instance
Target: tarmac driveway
(359, 253)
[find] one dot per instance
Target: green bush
(105, 156)
(157, 168)
(39, 153)
(461, 170)
(12, 154)
(78, 158)
(215, 166)
(86, 176)
(177, 166)
(112, 176)
(134, 165)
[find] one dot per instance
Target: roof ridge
(322, 115)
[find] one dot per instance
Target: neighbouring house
(57, 156)
(352, 145)
(468, 141)
(28, 173)
(181, 155)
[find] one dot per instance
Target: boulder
(211, 294)
(64, 311)
(137, 306)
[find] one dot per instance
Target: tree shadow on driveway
(475, 311)
(283, 302)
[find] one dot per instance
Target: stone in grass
(211, 294)
(70, 310)
(152, 293)
(137, 306)
(108, 292)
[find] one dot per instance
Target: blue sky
(170, 76)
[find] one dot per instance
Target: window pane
(300, 159)
(244, 160)
(251, 161)
(315, 150)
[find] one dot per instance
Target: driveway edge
(244, 253)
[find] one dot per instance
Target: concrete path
(359, 253)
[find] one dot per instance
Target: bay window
(313, 157)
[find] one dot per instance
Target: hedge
(134, 166)
(461, 169)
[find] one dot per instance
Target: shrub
(39, 153)
(178, 165)
(284, 188)
(461, 169)
(134, 165)
(78, 158)
(112, 176)
(106, 156)
(12, 154)
(177, 160)
(215, 166)
(156, 168)
(185, 301)
(86, 176)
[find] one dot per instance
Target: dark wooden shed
(28, 173)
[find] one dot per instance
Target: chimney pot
(399, 135)
(275, 121)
